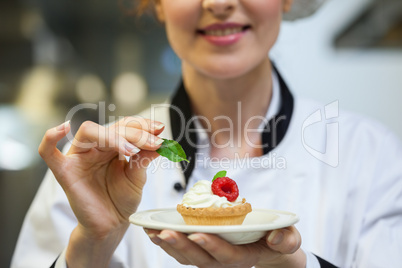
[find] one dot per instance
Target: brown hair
(136, 7)
(144, 5)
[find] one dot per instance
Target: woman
(243, 111)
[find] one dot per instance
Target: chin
(225, 71)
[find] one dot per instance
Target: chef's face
(222, 38)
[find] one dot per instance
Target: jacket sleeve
(380, 239)
(47, 227)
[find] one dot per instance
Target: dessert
(214, 203)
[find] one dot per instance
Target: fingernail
(155, 140)
(158, 141)
(167, 238)
(157, 126)
(197, 239)
(275, 237)
(155, 238)
(131, 148)
(63, 126)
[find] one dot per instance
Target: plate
(257, 223)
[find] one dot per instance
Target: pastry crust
(215, 216)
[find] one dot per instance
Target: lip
(222, 26)
(223, 40)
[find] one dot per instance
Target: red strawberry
(226, 187)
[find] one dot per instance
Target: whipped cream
(201, 196)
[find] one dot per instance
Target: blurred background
(55, 55)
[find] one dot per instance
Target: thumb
(147, 157)
(143, 159)
(285, 241)
(139, 163)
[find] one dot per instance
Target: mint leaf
(220, 174)
(172, 150)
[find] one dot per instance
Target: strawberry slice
(226, 187)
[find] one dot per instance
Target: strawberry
(226, 187)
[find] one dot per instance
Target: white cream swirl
(201, 196)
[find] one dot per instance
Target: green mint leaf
(172, 150)
(220, 174)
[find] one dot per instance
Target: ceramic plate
(255, 226)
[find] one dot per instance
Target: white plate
(255, 226)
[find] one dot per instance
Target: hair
(144, 5)
(136, 7)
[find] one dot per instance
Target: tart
(214, 203)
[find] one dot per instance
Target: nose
(219, 7)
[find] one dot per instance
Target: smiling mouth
(224, 32)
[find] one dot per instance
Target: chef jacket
(341, 173)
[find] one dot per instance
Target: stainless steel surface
(379, 25)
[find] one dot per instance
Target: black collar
(183, 127)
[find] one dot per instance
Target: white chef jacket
(339, 172)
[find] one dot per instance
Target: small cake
(214, 203)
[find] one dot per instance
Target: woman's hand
(280, 248)
(103, 188)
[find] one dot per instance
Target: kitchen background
(57, 54)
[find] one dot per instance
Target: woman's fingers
(206, 250)
(47, 148)
(286, 241)
(140, 138)
(138, 122)
(154, 235)
(141, 132)
(224, 252)
(91, 135)
(182, 249)
(122, 139)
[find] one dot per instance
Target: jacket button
(178, 187)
